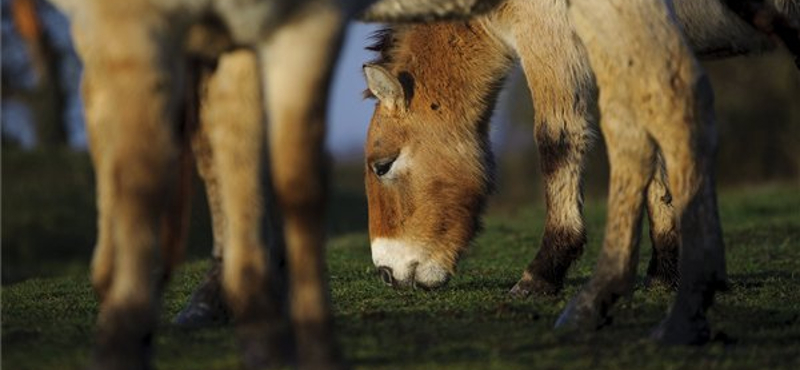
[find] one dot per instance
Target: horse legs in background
(654, 90)
(206, 306)
(232, 127)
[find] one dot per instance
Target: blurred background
(48, 212)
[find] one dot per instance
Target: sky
(348, 112)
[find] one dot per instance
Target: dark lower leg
(702, 271)
(689, 155)
(546, 273)
(206, 306)
(663, 267)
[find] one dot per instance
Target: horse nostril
(386, 275)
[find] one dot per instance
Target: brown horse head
(428, 159)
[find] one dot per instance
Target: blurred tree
(758, 118)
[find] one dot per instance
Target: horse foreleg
(297, 65)
(561, 88)
(689, 150)
(561, 154)
(130, 114)
(631, 155)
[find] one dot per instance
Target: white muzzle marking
(409, 263)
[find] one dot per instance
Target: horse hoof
(660, 283)
(581, 314)
(662, 278)
(206, 307)
(265, 344)
(121, 351)
(682, 331)
(317, 347)
(528, 286)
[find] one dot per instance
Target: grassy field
(47, 323)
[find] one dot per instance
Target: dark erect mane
(383, 41)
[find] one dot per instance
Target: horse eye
(383, 166)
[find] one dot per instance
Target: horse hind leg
(689, 154)
(102, 265)
(233, 125)
(297, 65)
(206, 306)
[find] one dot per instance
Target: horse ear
(385, 86)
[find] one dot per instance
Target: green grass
(47, 323)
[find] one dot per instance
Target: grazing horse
(428, 161)
(435, 233)
(429, 165)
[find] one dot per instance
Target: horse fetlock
(317, 349)
(530, 283)
(124, 338)
(680, 329)
(663, 267)
(545, 274)
(262, 327)
(585, 312)
(206, 305)
(265, 342)
(686, 323)
(243, 284)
